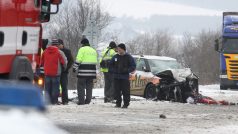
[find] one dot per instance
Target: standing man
(85, 63)
(107, 55)
(64, 74)
(53, 63)
(122, 64)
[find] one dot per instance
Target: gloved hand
(74, 70)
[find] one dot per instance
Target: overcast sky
(133, 17)
(178, 16)
(146, 8)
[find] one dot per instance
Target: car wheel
(150, 91)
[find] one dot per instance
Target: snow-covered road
(144, 116)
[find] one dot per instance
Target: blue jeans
(52, 88)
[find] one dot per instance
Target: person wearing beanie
(121, 65)
(107, 55)
(85, 65)
(85, 42)
(64, 74)
(122, 46)
(53, 62)
(57, 43)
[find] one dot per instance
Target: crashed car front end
(176, 85)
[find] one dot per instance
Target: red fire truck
(21, 36)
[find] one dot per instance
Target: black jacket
(69, 57)
(122, 65)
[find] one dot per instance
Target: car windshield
(157, 65)
(230, 45)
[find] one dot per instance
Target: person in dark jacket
(122, 64)
(64, 74)
(53, 63)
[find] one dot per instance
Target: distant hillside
(129, 27)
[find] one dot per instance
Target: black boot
(118, 105)
(125, 105)
(106, 100)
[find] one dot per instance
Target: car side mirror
(145, 69)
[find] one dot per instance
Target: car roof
(153, 57)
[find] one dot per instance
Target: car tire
(150, 91)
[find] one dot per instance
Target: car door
(140, 79)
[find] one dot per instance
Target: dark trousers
(122, 87)
(64, 86)
(52, 88)
(109, 86)
(84, 83)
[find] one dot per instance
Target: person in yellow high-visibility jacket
(85, 63)
(107, 55)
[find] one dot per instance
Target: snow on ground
(15, 121)
(207, 90)
(99, 94)
(143, 116)
(215, 92)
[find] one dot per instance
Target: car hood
(181, 74)
(177, 74)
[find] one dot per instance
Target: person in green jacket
(85, 63)
(107, 54)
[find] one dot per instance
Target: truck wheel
(150, 91)
(222, 87)
(21, 69)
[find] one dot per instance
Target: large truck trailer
(227, 46)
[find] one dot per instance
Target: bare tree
(157, 43)
(72, 20)
(196, 52)
(200, 55)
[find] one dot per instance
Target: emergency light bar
(18, 94)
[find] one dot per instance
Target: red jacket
(52, 61)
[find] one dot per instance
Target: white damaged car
(176, 82)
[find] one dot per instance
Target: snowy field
(143, 116)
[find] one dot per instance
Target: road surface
(144, 116)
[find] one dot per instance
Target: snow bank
(215, 92)
(226, 129)
(19, 122)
